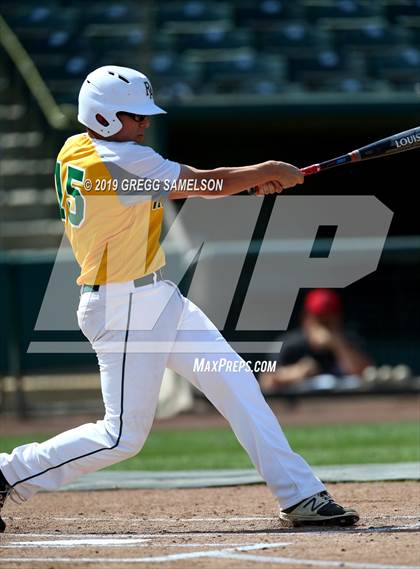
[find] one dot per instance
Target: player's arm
(289, 374)
(351, 359)
(268, 177)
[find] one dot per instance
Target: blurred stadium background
(242, 81)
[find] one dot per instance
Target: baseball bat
(394, 144)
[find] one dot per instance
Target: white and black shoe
(5, 489)
(319, 510)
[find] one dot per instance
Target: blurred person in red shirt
(320, 346)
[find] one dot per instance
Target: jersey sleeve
(151, 171)
(149, 164)
(142, 174)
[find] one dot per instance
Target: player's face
(134, 127)
(329, 320)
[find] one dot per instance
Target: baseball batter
(136, 321)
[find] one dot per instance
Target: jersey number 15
(72, 203)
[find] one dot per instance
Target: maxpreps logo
(405, 140)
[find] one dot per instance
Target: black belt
(142, 281)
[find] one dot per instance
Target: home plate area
(219, 527)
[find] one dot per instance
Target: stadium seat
(322, 65)
(319, 44)
(292, 38)
(43, 16)
(245, 65)
(395, 9)
(412, 25)
(252, 85)
(112, 13)
(171, 65)
(213, 38)
(174, 77)
(36, 172)
(347, 84)
(175, 91)
(263, 13)
(65, 91)
(316, 10)
(401, 67)
(25, 204)
(59, 40)
(75, 66)
(63, 74)
(369, 37)
(190, 14)
(114, 39)
(42, 47)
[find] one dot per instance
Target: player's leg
(237, 395)
(130, 380)
(235, 392)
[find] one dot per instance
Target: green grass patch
(218, 448)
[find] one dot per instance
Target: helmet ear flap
(108, 123)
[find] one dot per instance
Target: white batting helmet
(112, 89)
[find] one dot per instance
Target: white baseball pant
(136, 333)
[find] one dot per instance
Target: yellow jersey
(114, 233)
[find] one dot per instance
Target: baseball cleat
(4, 492)
(319, 510)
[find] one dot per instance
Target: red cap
(322, 301)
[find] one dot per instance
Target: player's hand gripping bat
(401, 142)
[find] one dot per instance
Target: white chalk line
(157, 559)
(237, 553)
(310, 562)
(120, 543)
(234, 551)
(81, 542)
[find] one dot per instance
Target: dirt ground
(227, 528)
